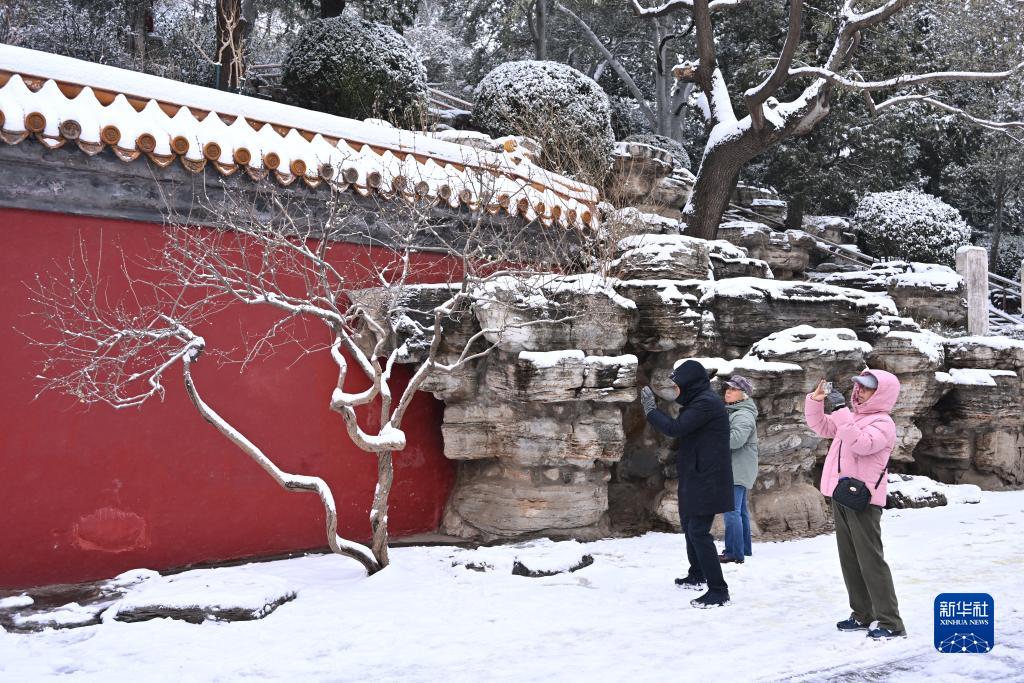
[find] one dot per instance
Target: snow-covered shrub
(912, 226)
(351, 67)
(676, 149)
(554, 104)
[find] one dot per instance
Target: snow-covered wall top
(57, 99)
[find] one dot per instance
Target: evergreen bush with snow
(351, 67)
(676, 149)
(912, 226)
(564, 110)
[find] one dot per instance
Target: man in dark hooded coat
(704, 462)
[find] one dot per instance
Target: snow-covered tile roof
(57, 100)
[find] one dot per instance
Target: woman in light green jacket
(743, 443)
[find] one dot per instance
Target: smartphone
(828, 388)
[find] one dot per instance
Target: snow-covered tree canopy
(913, 226)
(352, 67)
(565, 111)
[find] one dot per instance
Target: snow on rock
(132, 577)
(806, 341)
(219, 594)
(15, 601)
(787, 253)
(928, 343)
(533, 558)
(661, 257)
(667, 315)
(912, 491)
(986, 352)
(549, 359)
(633, 220)
(554, 312)
(972, 376)
(927, 292)
(70, 615)
(748, 309)
(553, 376)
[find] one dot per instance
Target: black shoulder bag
(851, 492)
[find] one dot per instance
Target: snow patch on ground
(221, 588)
(71, 614)
(543, 555)
(422, 619)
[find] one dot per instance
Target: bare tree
(230, 52)
(262, 251)
(732, 141)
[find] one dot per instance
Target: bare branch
(938, 104)
(616, 65)
(756, 97)
(904, 80)
(291, 482)
(679, 5)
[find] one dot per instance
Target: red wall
(89, 491)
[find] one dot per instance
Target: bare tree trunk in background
(140, 16)
(229, 44)
(249, 12)
(997, 230)
(331, 8)
(661, 86)
(540, 8)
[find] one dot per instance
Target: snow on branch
(903, 80)
(678, 5)
(938, 104)
(757, 96)
(859, 21)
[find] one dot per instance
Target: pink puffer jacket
(862, 438)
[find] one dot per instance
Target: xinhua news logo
(965, 623)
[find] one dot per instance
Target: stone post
(1022, 287)
(972, 264)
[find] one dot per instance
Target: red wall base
(89, 491)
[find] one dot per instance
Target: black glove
(835, 400)
(647, 400)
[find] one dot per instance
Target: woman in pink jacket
(863, 437)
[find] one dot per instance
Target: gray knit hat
(742, 383)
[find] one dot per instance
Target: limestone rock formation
(548, 436)
(788, 253)
(636, 170)
(661, 257)
(669, 194)
(974, 433)
(748, 309)
(930, 294)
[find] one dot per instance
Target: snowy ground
(619, 619)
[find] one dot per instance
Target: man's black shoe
(711, 599)
(692, 583)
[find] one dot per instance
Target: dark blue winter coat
(703, 459)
